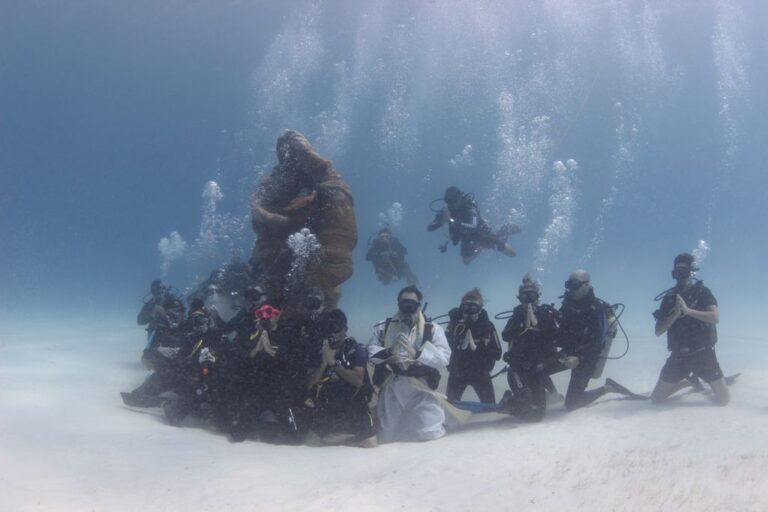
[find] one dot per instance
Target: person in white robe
(409, 353)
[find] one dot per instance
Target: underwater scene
(333, 216)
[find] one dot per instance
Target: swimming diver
(465, 225)
(387, 254)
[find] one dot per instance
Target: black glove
(437, 221)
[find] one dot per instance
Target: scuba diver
(475, 348)
(688, 314)
(199, 313)
(235, 275)
(162, 313)
(224, 357)
(253, 372)
(341, 389)
(387, 254)
(585, 324)
(305, 328)
(195, 387)
(242, 321)
(409, 351)
(225, 285)
(272, 387)
(172, 358)
(465, 225)
(531, 332)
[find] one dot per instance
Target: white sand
(67, 443)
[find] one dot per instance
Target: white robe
(405, 412)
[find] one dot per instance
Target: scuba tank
(608, 320)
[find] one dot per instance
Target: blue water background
(115, 115)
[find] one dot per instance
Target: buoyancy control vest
(686, 332)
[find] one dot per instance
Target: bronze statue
(303, 191)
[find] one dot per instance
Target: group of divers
(296, 376)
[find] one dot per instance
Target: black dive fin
(614, 387)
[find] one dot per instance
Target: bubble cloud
(463, 158)
(172, 248)
(701, 251)
(562, 204)
(216, 237)
(305, 248)
(393, 217)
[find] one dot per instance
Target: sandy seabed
(68, 444)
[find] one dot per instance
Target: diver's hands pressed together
(264, 344)
(471, 341)
(267, 345)
(206, 356)
(403, 343)
(259, 343)
(530, 317)
(664, 323)
(710, 315)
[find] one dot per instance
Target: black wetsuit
(232, 278)
(532, 356)
(243, 322)
(469, 367)
(174, 372)
(276, 386)
(388, 258)
(338, 406)
(691, 342)
(163, 323)
(201, 388)
(582, 333)
(306, 336)
(468, 227)
(253, 382)
(198, 383)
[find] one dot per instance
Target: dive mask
(312, 303)
(471, 308)
(528, 296)
(267, 312)
(682, 272)
(573, 285)
(408, 306)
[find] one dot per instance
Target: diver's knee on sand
(721, 393)
(664, 390)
